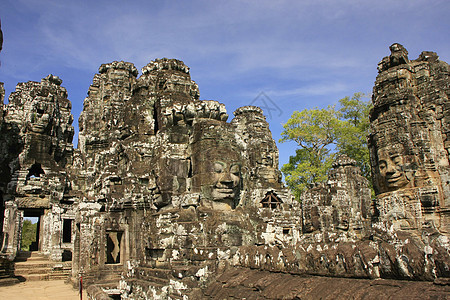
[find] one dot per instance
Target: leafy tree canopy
(321, 134)
(28, 235)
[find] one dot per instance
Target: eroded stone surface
(36, 146)
(342, 203)
(165, 183)
(256, 284)
(166, 195)
(409, 141)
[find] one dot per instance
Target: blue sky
(301, 54)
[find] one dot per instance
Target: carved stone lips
(394, 178)
(225, 191)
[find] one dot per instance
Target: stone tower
(37, 146)
(410, 140)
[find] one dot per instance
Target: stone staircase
(36, 266)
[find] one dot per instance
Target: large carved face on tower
(226, 179)
(265, 161)
(40, 121)
(216, 164)
(394, 168)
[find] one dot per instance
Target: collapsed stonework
(163, 196)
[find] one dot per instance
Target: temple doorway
(31, 230)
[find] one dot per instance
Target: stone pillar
(12, 225)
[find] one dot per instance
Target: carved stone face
(216, 164)
(263, 161)
(40, 122)
(226, 178)
(217, 175)
(392, 165)
(266, 170)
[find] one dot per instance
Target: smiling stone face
(217, 174)
(226, 177)
(391, 166)
(216, 164)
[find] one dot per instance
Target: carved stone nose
(226, 178)
(391, 169)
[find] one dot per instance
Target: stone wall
(342, 203)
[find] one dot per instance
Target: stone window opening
(190, 168)
(35, 171)
(156, 124)
(113, 247)
(286, 230)
(115, 180)
(144, 181)
(271, 200)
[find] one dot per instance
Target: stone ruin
(165, 199)
(410, 141)
(36, 148)
(342, 203)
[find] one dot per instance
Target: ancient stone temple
(166, 199)
(36, 147)
(410, 141)
(166, 186)
(342, 203)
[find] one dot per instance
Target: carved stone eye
(397, 160)
(218, 167)
(235, 170)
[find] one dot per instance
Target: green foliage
(28, 235)
(305, 168)
(321, 134)
(314, 131)
(352, 139)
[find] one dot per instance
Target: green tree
(352, 138)
(321, 134)
(28, 235)
(314, 132)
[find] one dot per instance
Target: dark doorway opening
(67, 255)
(67, 230)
